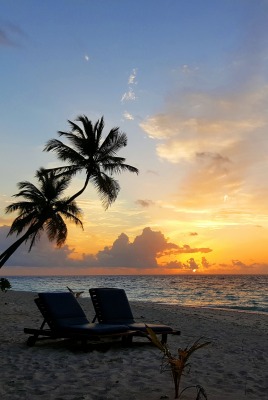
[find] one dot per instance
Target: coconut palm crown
(90, 152)
(42, 209)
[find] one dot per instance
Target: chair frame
(139, 330)
(60, 333)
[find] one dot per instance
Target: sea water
(234, 292)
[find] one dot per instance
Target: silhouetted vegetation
(42, 209)
(93, 154)
(4, 284)
(178, 364)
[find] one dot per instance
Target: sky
(187, 81)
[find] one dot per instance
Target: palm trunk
(11, 249)
(72, 198)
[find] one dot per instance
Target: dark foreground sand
(234, 366)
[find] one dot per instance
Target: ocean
(246, 293)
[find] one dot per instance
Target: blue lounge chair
(66, 319)
(112, 307)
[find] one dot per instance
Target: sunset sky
(187, 81)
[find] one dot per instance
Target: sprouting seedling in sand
(178, 363)
(76, 294)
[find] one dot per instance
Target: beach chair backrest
(111, 306)
(61, 310)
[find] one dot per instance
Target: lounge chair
(66, 320)
(112, 307)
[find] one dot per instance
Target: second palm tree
(95, 155)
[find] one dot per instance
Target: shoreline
(233, 366)
(205, 307)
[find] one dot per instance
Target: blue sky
(187, 80)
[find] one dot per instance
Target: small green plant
(179, 363)
(4, 284)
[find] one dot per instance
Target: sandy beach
(234, 366)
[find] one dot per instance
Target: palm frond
(113, 142)
(73, 218)
(56, 229)
(64, 152)
(117, 166)
(22, 206)
(35, 237)
(75, 128)
(107, 188)
(99, 129)
(67, 171)
(22, 222)
(88, 152)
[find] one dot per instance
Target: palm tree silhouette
(42, 209)
(91, 153)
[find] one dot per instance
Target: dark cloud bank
(143, 253)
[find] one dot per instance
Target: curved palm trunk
(72, 198)
(11, 249)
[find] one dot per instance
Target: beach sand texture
(234, 366)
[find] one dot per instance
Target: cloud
(187, 249)
(189, 265)
(217, 138)
(239, 267)
(187, 69)
(128, 116)
(206, 264)
(43, 254)
(9, 34)
(197, 123)
(214, 122)
(132, 77)
(141, 253)
(4, 39)
(150, 250)
(130, 95)
(144, 203)
(145, 252)
(150, 171)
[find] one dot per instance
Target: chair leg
(127, 340)
(32, 340)
(164, 338)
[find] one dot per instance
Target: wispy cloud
(130, 95)
(218, 137)
(144, 203)
(4, 39)
(214, 127)
(132, 77)
(128, 116)
(9, 34)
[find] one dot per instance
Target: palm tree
(41, 210)
(91, 153)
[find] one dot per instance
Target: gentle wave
(234, 292)
(251, 310)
